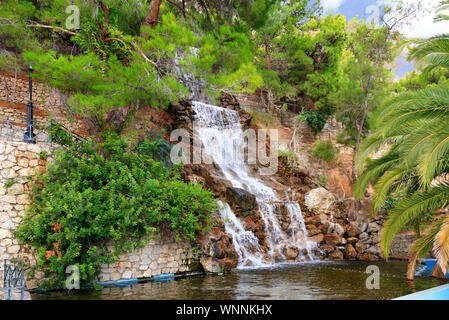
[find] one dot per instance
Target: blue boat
(430, 264)
(437, 293)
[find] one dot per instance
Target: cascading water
(221, 135)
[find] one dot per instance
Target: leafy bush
(324, 150)
(316, 119)
(109, 192)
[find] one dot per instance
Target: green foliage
(156, 148)
(43, 155)
(415, 167)
(364, 83)
(324, 150)
(316, 119)
(262, 119)
(9, 183)
(107, 193)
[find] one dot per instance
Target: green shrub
(316, 119)
(109, 192)
(324, 150)
(262, 119)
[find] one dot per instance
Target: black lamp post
(29, 136)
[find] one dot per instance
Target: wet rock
(241, 199)
(312, 230)
(319, 238)
(373, 227)
(336, 255)
(291, 252)
(277, 255)
(360, 247)
(319, 199)
(314, 220)
(352, 229)
(211, 265)
(332, 239)
(335, 228)
(350, 252)
(352, 240)
(176, 108)
(250, 224)
(363, 236)
(374, 250)
(327, 248)
(228, 264)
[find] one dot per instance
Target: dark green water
(312, 281)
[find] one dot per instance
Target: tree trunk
(267, 56)
(152, 20)
(105, 28)
(411, 266)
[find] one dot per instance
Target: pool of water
(341, 280)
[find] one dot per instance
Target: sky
(421, 27)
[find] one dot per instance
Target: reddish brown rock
(291, 252)
(327, 248)
(360, 247)
(211, 265)
(312, 230)
(332, 239)
(350, 252)
(352, 240)
(336, 255)
(353, 230)
(319, 238)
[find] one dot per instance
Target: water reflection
(306, 281)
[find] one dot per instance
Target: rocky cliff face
(338, 230)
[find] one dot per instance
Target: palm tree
(415, 125)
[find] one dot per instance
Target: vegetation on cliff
(108, 193)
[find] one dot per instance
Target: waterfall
(221, 135)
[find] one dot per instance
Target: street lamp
(29, 136)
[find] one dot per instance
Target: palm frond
(441, 246)
(409, 209)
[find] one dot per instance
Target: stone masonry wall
(19, 161)
(46, 100)
(159, 256)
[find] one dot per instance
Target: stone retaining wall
(159, 256)
(46, 100)
(18, 162)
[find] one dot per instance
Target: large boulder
(336, 255)
(291, 252)
(319, 199)
(350, 252)
(353, 229)
(333, 239)
(211, 265)
(242, 200)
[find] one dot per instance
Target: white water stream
(222, 137)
